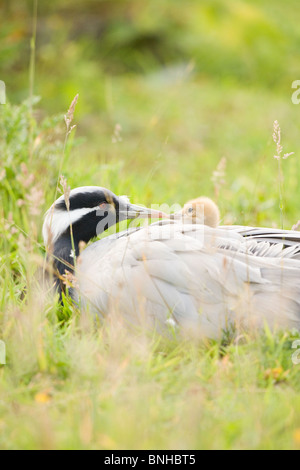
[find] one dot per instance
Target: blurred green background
(176, 100)
(189, 83)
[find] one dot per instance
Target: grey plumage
(206, 280)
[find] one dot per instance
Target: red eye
(103, 205)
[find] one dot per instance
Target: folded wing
(206, 280)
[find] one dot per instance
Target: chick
(199, 211)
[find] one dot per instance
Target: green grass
(67, 384)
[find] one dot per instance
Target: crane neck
(63, 260)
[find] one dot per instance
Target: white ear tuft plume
(57, 222)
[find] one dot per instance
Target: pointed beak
(132, 211)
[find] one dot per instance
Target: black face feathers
(98, 210)
(87, 199)
(85, 208)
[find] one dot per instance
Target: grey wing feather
(273, 236)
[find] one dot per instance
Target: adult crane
(203, 279)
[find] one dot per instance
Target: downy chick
(201, 210)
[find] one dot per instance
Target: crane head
(88, 211)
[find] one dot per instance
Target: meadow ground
(159, 137)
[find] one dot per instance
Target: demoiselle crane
(203, 279)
